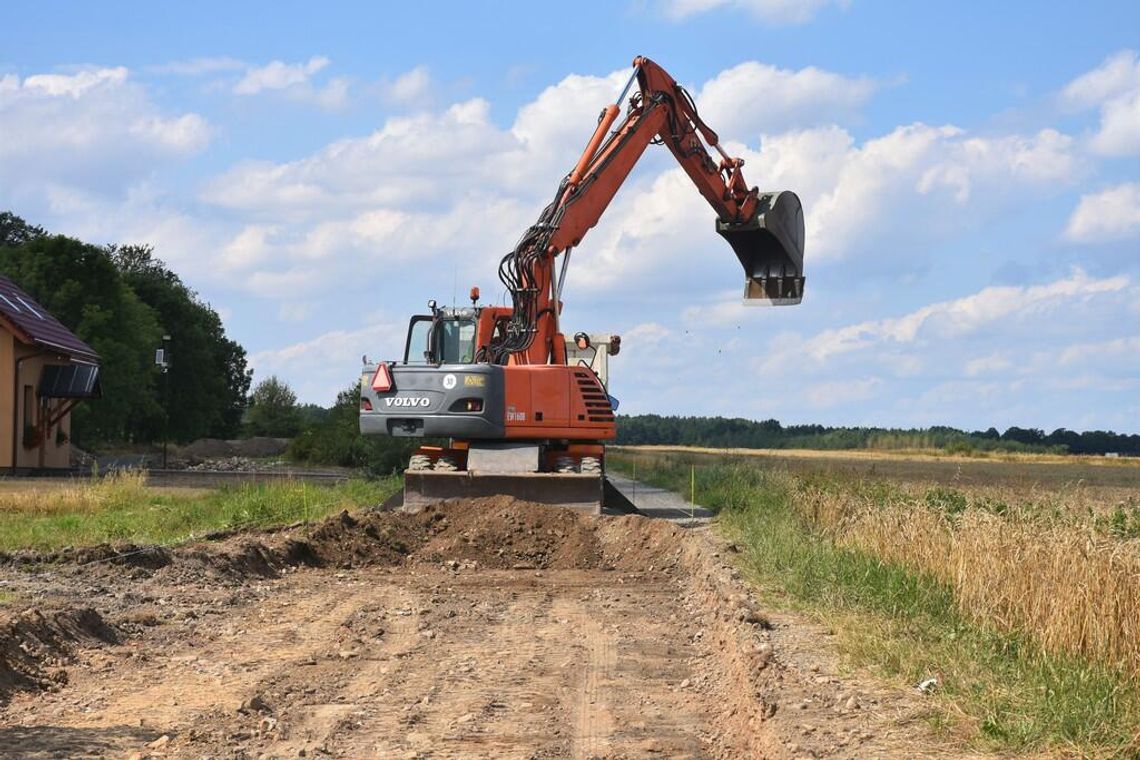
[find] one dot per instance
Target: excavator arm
(765, 230)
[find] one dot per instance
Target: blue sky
(970, 173)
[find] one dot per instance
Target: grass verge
(121, 508)
(997, 689)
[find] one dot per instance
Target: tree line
(122, 301)
(722, 432)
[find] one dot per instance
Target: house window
(29, 406)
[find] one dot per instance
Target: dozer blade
(576, 491)
(771, 248)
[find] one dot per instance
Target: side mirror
(582, 341)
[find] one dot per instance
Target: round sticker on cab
(449, 381)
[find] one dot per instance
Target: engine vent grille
(598, 407)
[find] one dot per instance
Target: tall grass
(1026, 614)
(121, 508)
(1047, 573)
(122, 487)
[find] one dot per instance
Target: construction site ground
(482, 629)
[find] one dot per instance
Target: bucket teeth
(770, 247)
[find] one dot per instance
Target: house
(45, 370)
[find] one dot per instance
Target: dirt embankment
(487, 628)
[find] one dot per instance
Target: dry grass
(75, 496)
(870, 455)
(1049, 570)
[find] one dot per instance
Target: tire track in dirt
(474, 687)
(593, 722)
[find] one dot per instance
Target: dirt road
(487, 629)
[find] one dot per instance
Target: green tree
(208, 378)
(336, 440)
(14, 231)
(273, 409)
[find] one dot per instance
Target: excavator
(523, 410)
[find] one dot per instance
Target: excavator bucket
(770, 246)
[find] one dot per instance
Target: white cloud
(1112, 214)
(249, 248)
(1118, 75)
(199, 66)
(751, 98)
(330, 362)
(182, 134)
(386, 168)
(278, 75)
(1114, 88)
(295, 81)
(410, 88)
(1120, 126)
(992, 306)
(75, 85)
(919, 172)
(94, 128)
(772, 11)
(1083, 353)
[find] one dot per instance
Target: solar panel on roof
(35, 325)
(29, 307)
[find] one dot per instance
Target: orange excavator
(524, 413)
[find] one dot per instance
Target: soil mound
(504, 532)
(496, 532)
(208, 448)
(216, 448)
(34, 646)
(259, 446)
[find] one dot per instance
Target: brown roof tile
(38, 326)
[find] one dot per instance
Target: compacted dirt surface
(489, 628)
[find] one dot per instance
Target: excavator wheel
(419, 462)
(445, 464)
(564, 465)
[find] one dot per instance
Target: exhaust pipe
(770, 247)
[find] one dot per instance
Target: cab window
(454, 341)
(416, 349)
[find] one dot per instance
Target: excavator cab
(445, 337)
(770, 246)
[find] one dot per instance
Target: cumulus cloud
(1110, 215)
(200, 66)
(278, 75)
(93, 128)
(1114, 88)
(295, 81)
(960, 317)
(413, 87)
(753, 98)
(772, 11)
(328, 362)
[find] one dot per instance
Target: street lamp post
(162, 359)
